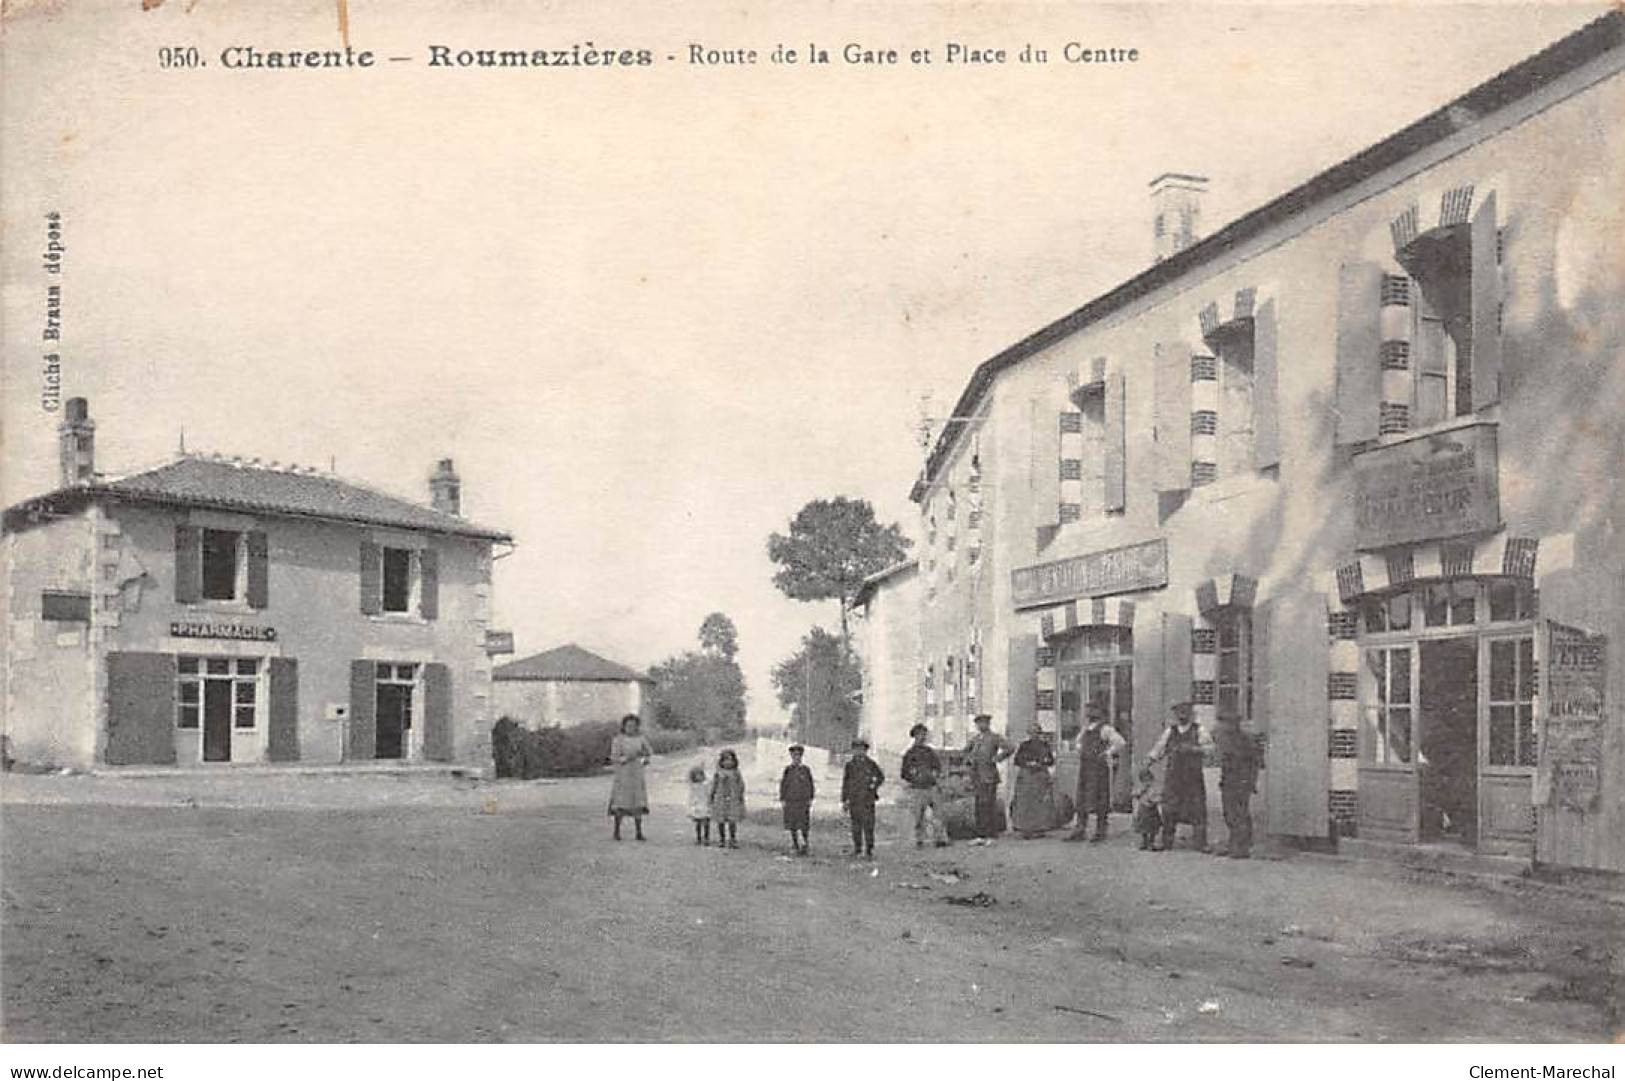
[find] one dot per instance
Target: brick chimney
(446, 488)
(76, 442)
(1176, 203)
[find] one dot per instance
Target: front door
(1510, 745)
(217, 720)
(1389, 797)
(394, 719)
(1447, 740)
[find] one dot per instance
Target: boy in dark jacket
(796, 793)
(921, 768)
(860, 788)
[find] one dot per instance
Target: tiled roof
(568, 662)
(231, 485)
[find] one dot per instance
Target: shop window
(1511, 600)
(1390, 705)
(1234, 646)
(237, 680)
(1513, 739)
(224, 568)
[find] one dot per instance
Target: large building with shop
(213, 610)
(1348, 467)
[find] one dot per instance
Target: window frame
(413, 585)
(239, 573)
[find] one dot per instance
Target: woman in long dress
(1032, 812)
(629, 752)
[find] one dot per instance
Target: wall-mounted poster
(1571, 749)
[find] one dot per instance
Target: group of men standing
(1181, 799)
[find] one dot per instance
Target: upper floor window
(228, 565)
(1419, 334)
(397, 580)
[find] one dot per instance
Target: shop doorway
(216, 720)
(1447, 739)
(1094, 667)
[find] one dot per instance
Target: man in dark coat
(1238, 780)
(1184, 791)
(1099, 745)
(860, 788)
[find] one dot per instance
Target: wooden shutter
(140, 709)
(429, 583)
(1149, 715)
(372, 578)
(1044, 470)
(283, 738)
(1486, 307)
(1266, 414)
(259, 550)
(361, 738)
(1291, 662)
(1115, 448)
(1022, 682)
(188, 564)
(1176, 660)
(1171, 376)
(437, 739)
(1359, 341)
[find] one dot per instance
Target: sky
(649, 312)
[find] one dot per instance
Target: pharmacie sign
(1099, 574)
(1426, 488)
(235, 631)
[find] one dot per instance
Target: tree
(832, 546)
(703, 689)
(818, 684)
(718, 635)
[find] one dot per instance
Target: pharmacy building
(1347, 467)
(213, 610)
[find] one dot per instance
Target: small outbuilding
(568, 685)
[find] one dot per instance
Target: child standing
(860, 788)
(699, 804)
(727, 799)
(796, 793)
(1147, 813)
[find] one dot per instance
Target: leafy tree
(719, 635)
(703, 689)
(818, 684)
(832, 546)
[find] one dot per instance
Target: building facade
(568, 685)
(1347, 468)
(216, 611)
(888, 642)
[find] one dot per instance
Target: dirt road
(429, 909)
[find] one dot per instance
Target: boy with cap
(920, 770)
(860, 788)
(796, 793)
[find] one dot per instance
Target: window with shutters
(1222, 405)
(400, 579)
(1092, 405)
(1438, 294)
(225, 568)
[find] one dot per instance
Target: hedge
(567, 752)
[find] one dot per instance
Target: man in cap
(1099, 747)
(986, 750)
(1184, 792)
(1238, 780)
(860, 788)
(920, 770)
(796, 791)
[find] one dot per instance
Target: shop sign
(1426, 488)
(1099, 574)
(1571, 749)
(498, 642)
(236, 632)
